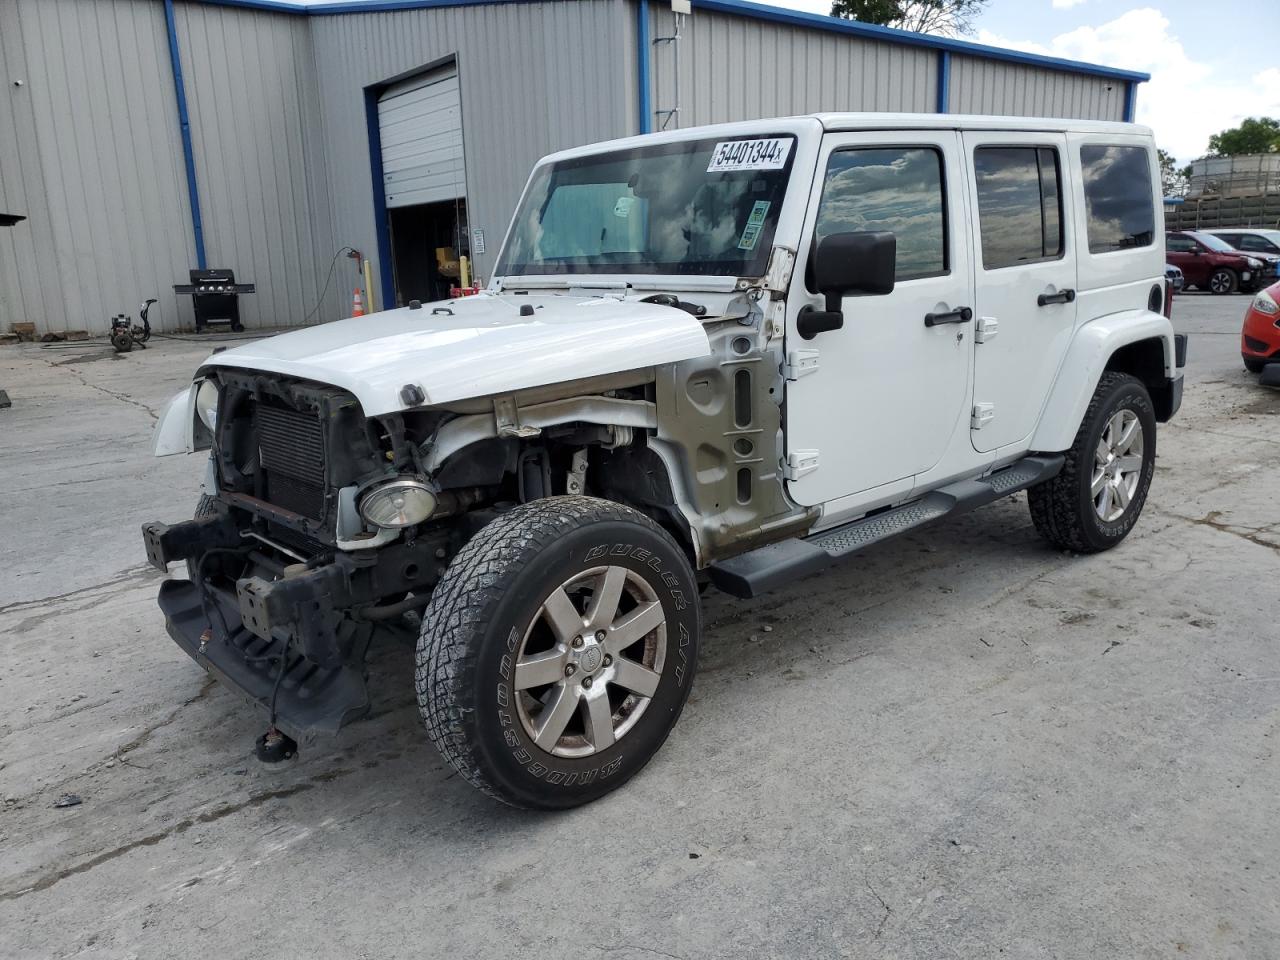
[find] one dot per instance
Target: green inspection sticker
(755, 226)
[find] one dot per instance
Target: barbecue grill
(215, 295)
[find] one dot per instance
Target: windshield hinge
(778, 278)
(800, 363)
(799, 463)
(983, 413)
(985, 329)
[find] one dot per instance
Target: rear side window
(1019, 204)
(1117, 194)
(897, 189)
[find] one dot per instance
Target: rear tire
(558, 651)
(1224, 280)
(1094, 502)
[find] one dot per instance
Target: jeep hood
(475, 346)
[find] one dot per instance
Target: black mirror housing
(855, 263)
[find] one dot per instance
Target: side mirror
(848, 263)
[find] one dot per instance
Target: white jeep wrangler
(727, 356)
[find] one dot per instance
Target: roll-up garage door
(420, 122)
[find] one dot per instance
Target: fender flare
(175, 429)
(1092, 347)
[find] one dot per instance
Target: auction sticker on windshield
(768, 154)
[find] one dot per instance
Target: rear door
(1025, 279)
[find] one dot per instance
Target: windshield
(1215, 243)
(705, 207)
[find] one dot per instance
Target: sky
(1209, 70)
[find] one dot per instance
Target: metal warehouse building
(143, 138)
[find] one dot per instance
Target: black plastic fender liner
(311, 701)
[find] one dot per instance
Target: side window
(1117, 195)
(1250, 243)
(889, 188)
(1019, 204)
(1177, 244)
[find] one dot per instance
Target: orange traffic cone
(357, 305)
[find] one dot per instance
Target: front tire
(1224, 280)
(1093, 503)
(558, 651)
(1252, 365)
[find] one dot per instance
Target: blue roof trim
(742, 8)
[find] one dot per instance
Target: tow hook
(274, 747)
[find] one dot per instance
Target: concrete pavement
(960, 744)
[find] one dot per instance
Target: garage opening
(424, 182)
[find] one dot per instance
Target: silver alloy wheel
(590, 661)
(1117, 465)
(1220, 282)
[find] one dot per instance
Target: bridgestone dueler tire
(481, 608)
(1062, 508)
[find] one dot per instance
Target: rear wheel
(558, 651)
(1224, 280)
(1096, 499)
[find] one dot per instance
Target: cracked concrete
(958, 744)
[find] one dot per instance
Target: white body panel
(482, 347)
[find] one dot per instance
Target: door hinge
(799, 463)
(800, 363)
(983, 413)
(986, 329)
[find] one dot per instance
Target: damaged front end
(287, 580)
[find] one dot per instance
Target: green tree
(1173, 180)
(1255, 135)
(948, 17)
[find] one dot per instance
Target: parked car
(551, 471)
(1212, 264)
(1176, 280)
(1260, 337)
(1261, 244)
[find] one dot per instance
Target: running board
(767, 568)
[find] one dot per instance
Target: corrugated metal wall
(258, 135)
(535, 78)
(736, 68)
(90, 153)
(996, 87)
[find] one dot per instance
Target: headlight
(1264, 304)
(398, 503)
(207, 404)
(1253, 263)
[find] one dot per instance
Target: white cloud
(1066, 4)
(1185, 102)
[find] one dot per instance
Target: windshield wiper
(670, 300)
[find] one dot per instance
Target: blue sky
(1211, 63)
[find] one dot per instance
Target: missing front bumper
(310, 700)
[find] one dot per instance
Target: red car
(1212, 264)
(1260, 338)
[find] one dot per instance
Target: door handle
(1062, 296)
(958, 315)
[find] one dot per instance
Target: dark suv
(1212, 264)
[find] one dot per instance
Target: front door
(879, 400)
(1025, 279)
(1185, 254)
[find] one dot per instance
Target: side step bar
(767, 568)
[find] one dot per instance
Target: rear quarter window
(1117, 193)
